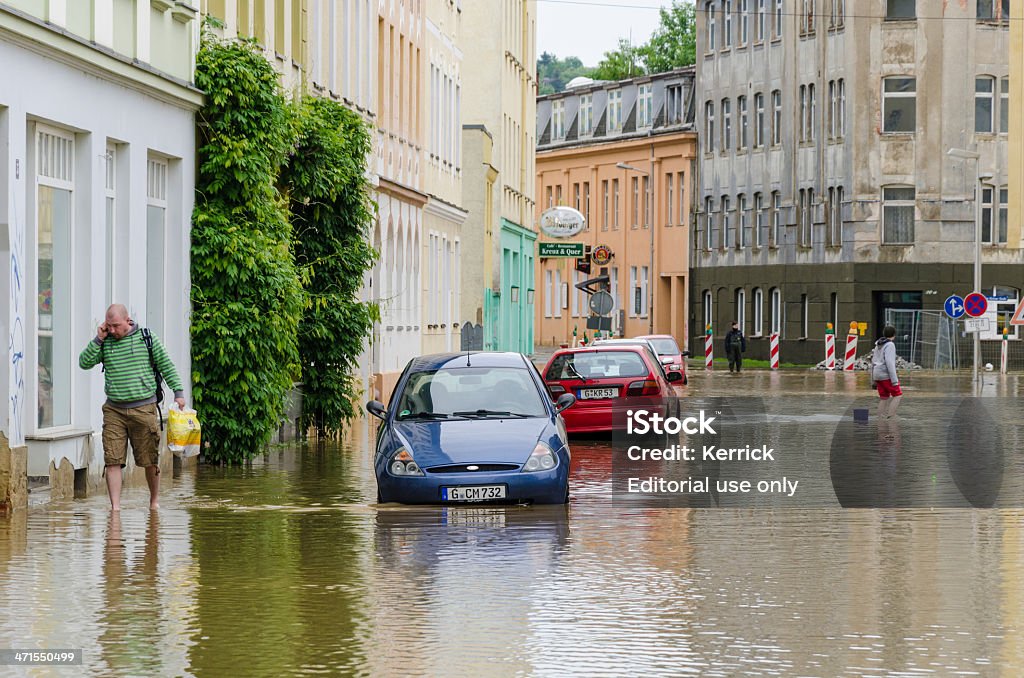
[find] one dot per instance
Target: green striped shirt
(128, 375)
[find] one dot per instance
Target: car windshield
(597, 365)
(665, 346)
(470, 391)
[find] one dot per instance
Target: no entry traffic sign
(975, 304)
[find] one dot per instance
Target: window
(777, 23)
(758, 327)
(759, 120)
(836, 109)
(899, 104)
(709, 127)
(615, 110)
(709, 314)
(744, 123)
(614, 282)
(993, 217)
(805, 317)
(833, 95)
(841, 132)
(646, 193)
(744, 22)
(636, 201)
(576, 197)
(55, 184)
(560, 294)
(726, 125)
(776, 225)
(807, 18)
(634, 293)
(811, 110)
(838, 17)
(994, 10)
(156, 219)
(726, 24)
(760, 221)
(803, 112)
(804, 217)
(776, 117)
(110, 214)
(557, 120)
(776, 311)
(645, 105)
(709, 223)
(900, 9)
(604, 204)
(744, 224)
(549, 292)
(615, 203)
(674, 95)
(644, 288)
(549, 191)
(558, 195)
(740, 304)
(984, 93)
(760, 20)
(728, 237)
(586, 116)
(1004, 105)
(669, 188)
(586, 204)
(836, 216)
(682, 201)
(711, 13)
(898, 215)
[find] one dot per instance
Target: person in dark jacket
(735, 345)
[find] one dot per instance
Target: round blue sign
(954, 306)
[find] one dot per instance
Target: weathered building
(600, 147)
(827, 193)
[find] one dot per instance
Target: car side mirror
(686, 354)
(564, 402)
(377, 409)
(674, 377)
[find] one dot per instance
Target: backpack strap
(147, 337)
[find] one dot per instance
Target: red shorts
(886, 388)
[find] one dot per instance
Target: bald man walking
(130, 413)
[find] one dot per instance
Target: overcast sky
(587, 29)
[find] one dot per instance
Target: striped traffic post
(851, 348)
(1004, 352)
(774, 351)
(709, 349)
(830, 347)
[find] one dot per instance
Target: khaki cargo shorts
(137, 425)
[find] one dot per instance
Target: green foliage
(331, 215)
(621, 63)
(553, 73)
(674, 42)
(247, 298)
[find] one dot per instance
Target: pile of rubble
(863, 364)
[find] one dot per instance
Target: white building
(97, 173)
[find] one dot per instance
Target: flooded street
(288, 567)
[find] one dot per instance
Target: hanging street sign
(562, 222)
(573, 250)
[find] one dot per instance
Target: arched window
(776, 311)
(758, 313)
(741, 308)
(709, 315)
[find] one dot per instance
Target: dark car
(472, 427)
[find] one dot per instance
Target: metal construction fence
(935, 341)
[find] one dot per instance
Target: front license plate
(595, 393)
(473, 493)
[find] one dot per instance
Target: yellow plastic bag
(184, 435)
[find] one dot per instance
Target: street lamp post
(650, 208)
(963, 154)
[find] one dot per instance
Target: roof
(436, 361)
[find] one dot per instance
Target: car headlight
(542, 459)
(402, 464)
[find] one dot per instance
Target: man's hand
(180, 402)
(101, 332)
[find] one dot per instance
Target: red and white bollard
(830, 347)
(851, 348)
(1004, 353)
(773, 351)
(709, 348)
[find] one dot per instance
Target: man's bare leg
(153, 480)
(114, 486)
(883, 408)
(894, 404)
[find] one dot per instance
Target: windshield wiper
(424, 415)
(572, 370)
(490, 413)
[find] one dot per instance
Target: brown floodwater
(287, 567)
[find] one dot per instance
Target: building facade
(97, 178)
(827, 192)
(623, 154)
(499, 70)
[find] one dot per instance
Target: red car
(669, 352)
(601, 377)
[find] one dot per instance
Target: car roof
(636, 347)
(656, 336)
(436, 361)
(640, 341)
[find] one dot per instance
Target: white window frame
(614, 110)
(157, 181)
(777, 24)
(910, 204)
(669, 190)
(709, 223)
(633, 282)
(645, 106)
(709, 311)
(743, 239)
(758, 308)
(726, 125)
(682, 198)
(1004, 105)
(744, 140)
(740, 301)
(604, 199)
(726, 24)
(776, 223)
(985, 124)
(558, 120)
(711, 11)
(776, 117)
(776, 311)
(836, 237)
(645, 287)
(759, 120)
(759, 220)
(744, 22)
(586, 126)
(110, 217)
(895, 95)
(709, 126)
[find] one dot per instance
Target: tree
(553, 73)
(619, 64)
(674, 42)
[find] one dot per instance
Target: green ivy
(247, 297)
(332, 215)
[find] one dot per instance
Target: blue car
(472, 427)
